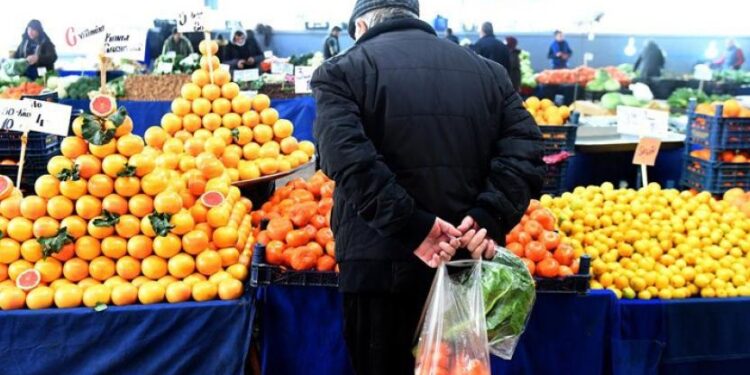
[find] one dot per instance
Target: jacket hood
(395, 25)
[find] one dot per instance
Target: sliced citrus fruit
(6, 186)
(212, 198)
(102, 105)
(28, 279)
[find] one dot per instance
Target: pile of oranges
(298, 234)
(147, 219)
(213, 127)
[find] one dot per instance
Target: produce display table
(567, 334)
(300, 110)
(186, 338)
(111, 74)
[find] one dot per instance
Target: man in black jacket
(420, 135)
(331, 45)
(488, 46)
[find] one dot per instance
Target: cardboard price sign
(50, 118)
(16, 115)
(647, 151)
(125, 44)
(302, 77)
(641, 122)
(90, 37)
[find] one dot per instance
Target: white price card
(302, 77)
(225, 67)
(282, 67)
(48, 117)
(703, 72)
(41, 71)
(126, 43)
(164, 68)
(199, 20)
(246, 75)
(16, 115)
(642, 122)
(170, 54)
(249, 93)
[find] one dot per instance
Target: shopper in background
(559, 51)
(515, 62)
(650, 62)
(413, 156)
(489, 47)
(733, 58)
(37, 49)
(331, 46)
(449, 35)
(178, 44)
(243, 52)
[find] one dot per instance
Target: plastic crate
(10, 142)
(579, 283)
(35, 165)
(554, 179)
(559, 138)
(716, 132)
(714, 177)
(266, 274)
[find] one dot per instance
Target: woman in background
(37, 49)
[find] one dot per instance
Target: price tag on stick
(50, 118)
(645, 155)
(191, 21)
(15, 115)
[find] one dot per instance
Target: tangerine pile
(536, 241)
(545, 112)
(122, 219)
(213, 128)
(658, 243)
(298, 234)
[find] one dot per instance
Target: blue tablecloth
(592, 334)
(188, 338)
(301, 111)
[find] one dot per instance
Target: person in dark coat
(423, 167)
(559, 51)
(449, 35)
(243, 52)
(515, 62)
(650, 62)
(488, 46)
(331, 46)
(37, 49)
(178, 44)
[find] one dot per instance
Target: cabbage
(611, 85)
(611, 100)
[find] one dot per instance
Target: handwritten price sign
(192, 21)
(50, 118)
(647, 151)
(641, 122)
(16, 115)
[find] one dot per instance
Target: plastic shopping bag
(453, 338)
(482, 308)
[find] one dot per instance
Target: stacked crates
(556, 140)
(40, 148)
(709, 144)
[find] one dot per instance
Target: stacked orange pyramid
(119, 221)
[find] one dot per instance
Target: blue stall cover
(300, 111)
(567, 334)
(186, 338)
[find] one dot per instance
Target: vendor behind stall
(243, 52)
(37, 49)
(650, 62)
(178, 44)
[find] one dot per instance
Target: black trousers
(380, 330)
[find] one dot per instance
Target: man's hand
(250, 61)
(241, 64)
(440, 244)
(32, 59)
(475, 239)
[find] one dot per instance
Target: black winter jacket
(489, 47)
(412, 127)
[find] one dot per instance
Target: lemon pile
(545, 112)
(657, 243)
